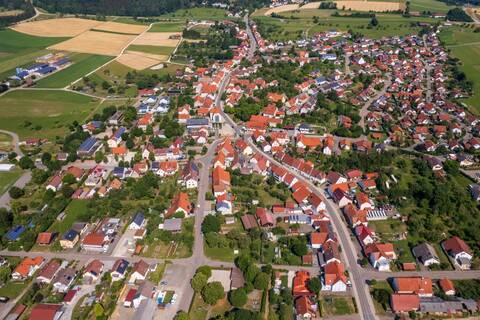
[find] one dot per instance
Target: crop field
(139, 60)
(83, 63)
(64, 27)
(104, 43)
(464, 44)
(160, 50)
(157, 39)
(168, 26)
(42, 113)
(376, 6)
(121, 27)
(17, 49)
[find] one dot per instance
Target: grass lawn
(168, 26)
(157, 275)
(49, 112)
(378, 305)
(337, 306)
(160, 50)
(17, 49)
(5, 142)
(221, 254)
(73, 210)
(82, 64)
(403, 251)
(198, 308)
(464, 44)
(7, 179)
(160, 249)
(13, 289)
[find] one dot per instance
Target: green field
(164, 51)
(13, 289)
(464, 44)
(295, 25)
(197, 14)
(18, 49)
(73, 210)
(82, 64)
(7, 179)
(168, 26)
(429, 5)
(49, 112)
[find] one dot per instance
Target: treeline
(146, 8)
(25, 6)
(457, 14)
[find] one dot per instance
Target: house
(404, 303)
(138, 222)
(64, 279)
(413, 285)
(236, 279)
(48, 272)
(128, 302)
(333, 277)
(426, 254)
(380, 255)
(95, 241)
(27, 268)
(69, 239)
(447, 286)
(459, 251)
(44, 311)
(119, 269)
(249, 221)
(180, 203)
(144, 292)
(172, 225)
(305, 309)
(15, 233)
(88, 147)
(139, 272)
(93, 270)
(190, 175)
(55, 183)
(300, 284)
(45, 238)
(264, 217)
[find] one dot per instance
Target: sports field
(17, 49)
(83, 63)
(43, 113)
(464, 44)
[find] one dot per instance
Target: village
(325, 177)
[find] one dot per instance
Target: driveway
(84, 290)
(125, 242)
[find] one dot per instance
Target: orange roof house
(180, 203)
(417, 285)
(300, 283)
(447, 286)
(27, 268)
(402, 303)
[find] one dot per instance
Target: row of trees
(25, 6)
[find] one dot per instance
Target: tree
(98, 310)
(99, 157)
(69, 179)
(4, 274)
(15, 192)
(374, 21)
(211, 224)
(198, 282)
(26, 163)
(314, 285)
(206, 270)
(261, 281)
(237, 297)
(213, 292)
(181, 315)
(251, 272)
(300, 249)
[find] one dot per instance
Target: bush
(213, 292)
(238, 297)
(16, 192)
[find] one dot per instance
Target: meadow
(464, 44)
(160, 50)
(167, 26)
(43, 113)
(429, 5)
(83, 63)
(294, 25)
(7, 179)
(18, 49)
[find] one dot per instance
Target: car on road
(4, 299)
